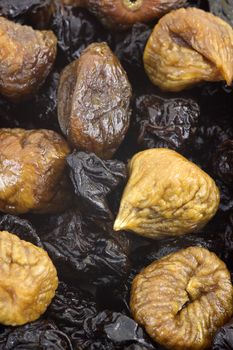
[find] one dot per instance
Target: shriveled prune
(165, 122)
(94, 101)
(189, 46)
(183, 299)
(93, 180)
(82, 251)
(39, 335)
(28, 280)
(223, 9)
(223, 339)
(32, 173)
(26, 56)
(166, 195)
(223, 162)
(121, 14)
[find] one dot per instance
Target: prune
(39, 335)
(121, 14)
(28, 280)
(32, 172)
(223, 162)
(75, 29)
(223, 9)
(82, 251)
(189, 46)
(183, 298)
(164, 122)
(93, 180)
(94, 118)
(223, 339)
(27, 57)
(166, 195)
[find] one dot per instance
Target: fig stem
(132, 5)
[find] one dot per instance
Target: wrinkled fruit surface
(182, 299)
(223, 162)
(166, 195)
(93, 101)
(26, 56)
(32, 171)
(28, 280)
(189, 46)
(223, 339)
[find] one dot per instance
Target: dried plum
(189, 46)
(39, 335)
(161, 122)
(82, 251)
(27, 57)
(95, 118)
(93, 180)
(32, 172)
(223, 9)
(223, 339)
(183, 298)
(223, 162)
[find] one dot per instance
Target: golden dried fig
(94, 101)
(183, 299)
(189, 46)
(32, 171)
(26, 57)
(166, 195)
(28, 280)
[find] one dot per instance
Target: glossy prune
(83, 251)
(95, 118)
(94, 180)
(223, 339)
(161, 122)
(223, 162)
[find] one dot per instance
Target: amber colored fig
(189, 46)
(32, 171)
(166, 195)
(28, 280)
(94, 101)
(183, 299)
(26, 58)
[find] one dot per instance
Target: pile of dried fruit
(116, 179)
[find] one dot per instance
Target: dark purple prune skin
(223, 162)
(223, 9)
(39, 335)
(161, 122)
(223, 339)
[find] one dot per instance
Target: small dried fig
(189, 46)
(28, 280)
(94, 101)
(26, 57)
(183, 299)
(166, 195)
(32, 171)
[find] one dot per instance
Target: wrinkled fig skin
(166, 195)
(182, 299)
(121, 14)
(189, 46)
(32, 172)
(26, 56)
(94, 101)
(28, 280)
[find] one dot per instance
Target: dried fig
(189, 46)
(26, 57)
(28, 280)
(94, 101)
(32, 172)
(166, 195)
(183, 299)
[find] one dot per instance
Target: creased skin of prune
(223, 9)
(93, 180)
(165, 122)
(82, 251)
(223, 339)
(223, 162)
(39, 335)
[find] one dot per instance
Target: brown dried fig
(183, 299)
(166, 195)
(32, 172)
(26, 57)
(28, 280)
(189, 46)
(94, 101)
